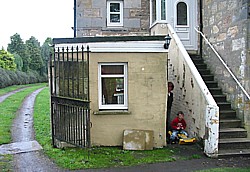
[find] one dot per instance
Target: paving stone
(20, 147)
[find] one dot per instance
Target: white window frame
(187, 5)
(158, 10)
(125, 76)
(114, 24)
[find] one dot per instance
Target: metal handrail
(225, 65)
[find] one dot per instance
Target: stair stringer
(205, 108)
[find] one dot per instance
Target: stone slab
(20, 147)
(138, 139)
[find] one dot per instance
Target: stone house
(131, 33)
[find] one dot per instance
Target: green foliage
(17, 46)
(46, 50)
(18, 61)
(7, 60)
(30, 56)
(9, 78)
(34, 51)
(4, 79)
(5, 166)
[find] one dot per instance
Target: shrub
(9, 78)
(13, 77)
(4, 79)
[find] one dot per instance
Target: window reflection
(182, 13)
(114, 7)
(163, 10)
(112, 84)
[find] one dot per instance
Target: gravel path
(22, 131)
(5, 96)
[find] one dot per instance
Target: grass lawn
(11, 88)
(75, 158)
(96, 157)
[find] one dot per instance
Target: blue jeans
(176, 132)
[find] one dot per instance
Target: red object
(178, 123)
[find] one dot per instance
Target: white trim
(175, 15)
(158, 12)
(112, 24)
(131, 46)
(125, 75)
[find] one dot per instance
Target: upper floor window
(158, 10)
(163, 9)
(182, 14)
(112, 80)
(114, 13)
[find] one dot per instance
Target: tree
(7, 60)
(34, 51)
(17, 46)
(46, 50)
(18, 61)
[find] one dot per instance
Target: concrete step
(234, 143)
(227, 114)
(225, 133)
(204, 71)
(220, 98)
(215, 91)
(229, 123)
(201, 65)
(233, 152)
(224, 105)
(211, 84)
(208, 77)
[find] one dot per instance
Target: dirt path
(22, 131)
(5, 96)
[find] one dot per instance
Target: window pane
(181, 13)
(114, 18)
(112, 69)
(153, 11)
(163, 10)
(112, 91)
(114, 7)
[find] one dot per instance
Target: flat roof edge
(107, 39)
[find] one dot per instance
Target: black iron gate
(69, 86)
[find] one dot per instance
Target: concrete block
(138, 139)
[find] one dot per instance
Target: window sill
(112, 112)
(115, 29)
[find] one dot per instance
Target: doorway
(182, 15)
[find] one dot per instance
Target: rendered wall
(146, 98)
(192, 96)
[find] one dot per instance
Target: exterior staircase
(233, 139)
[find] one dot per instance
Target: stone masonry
(226, 25)
(92, 18)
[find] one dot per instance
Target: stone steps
(234, 152)
(232, 133)
(233, 139)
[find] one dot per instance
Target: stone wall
(92, 18)
(226, 25)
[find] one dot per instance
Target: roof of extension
(107, 39)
